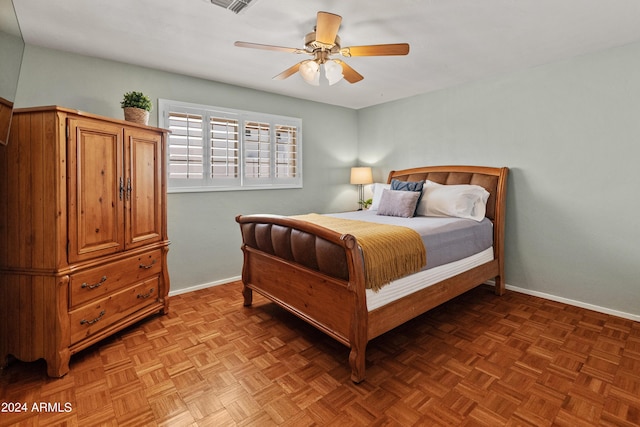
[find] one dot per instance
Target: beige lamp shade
(361, 175)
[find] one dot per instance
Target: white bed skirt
(409, 284)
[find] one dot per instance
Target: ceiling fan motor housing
(311, 44)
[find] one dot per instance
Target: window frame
(292, 152)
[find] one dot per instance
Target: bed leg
(357, 362)
(499, 286)
(248, 295)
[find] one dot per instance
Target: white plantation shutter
(257, 150)
(185, 146)
(225, 148)
(212, 148)
(286, 151)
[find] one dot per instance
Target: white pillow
(460, 201)
(377, 189)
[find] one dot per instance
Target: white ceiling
(452, 41)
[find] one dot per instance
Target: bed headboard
(494, 180)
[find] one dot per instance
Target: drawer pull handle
(148, 266)
(147, 295)
(91, 322)
(96, 285)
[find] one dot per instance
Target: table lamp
(361, 176)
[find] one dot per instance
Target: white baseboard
(203, 286)
(550, 297)
(575, 303)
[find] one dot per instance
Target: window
(213, 148)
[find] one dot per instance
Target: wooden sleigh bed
(318, 274)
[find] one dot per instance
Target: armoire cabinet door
(96, 198)
(143, 154)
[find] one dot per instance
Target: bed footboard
(312, 272)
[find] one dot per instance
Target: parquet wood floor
(479, 360)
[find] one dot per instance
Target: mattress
(422, 279)
(454, 245)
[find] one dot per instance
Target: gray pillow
(398, 203)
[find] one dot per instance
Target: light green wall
(570, 132)
(205, 239)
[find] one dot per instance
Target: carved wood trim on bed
(318, 274)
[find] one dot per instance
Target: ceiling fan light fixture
(333, 71)
(310, 72)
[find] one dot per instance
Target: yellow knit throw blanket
(389, 251)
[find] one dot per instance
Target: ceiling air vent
(235, 6)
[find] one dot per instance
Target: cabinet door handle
(148, 266)
(121, 188)
(128, 188)
(147, 295)
(91, 322)
(95, 285)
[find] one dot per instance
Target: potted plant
(136, 107)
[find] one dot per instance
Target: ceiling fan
(323, 42)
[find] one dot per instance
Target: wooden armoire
(83, 232)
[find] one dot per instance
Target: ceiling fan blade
(288, 72)
(327, 25)
(350, 75)
(270, 47)
(376, 50)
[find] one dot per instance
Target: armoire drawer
(97, 315)
(100, 281)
